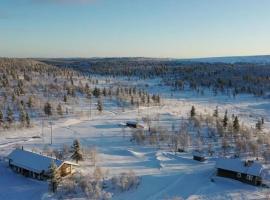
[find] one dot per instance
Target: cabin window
(238, 175)
(249, 177)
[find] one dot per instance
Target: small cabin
(134, 124)
(199, 156)
(36, 165)
(246, 171)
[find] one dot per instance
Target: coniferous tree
(59, 109)
(148, 99)
(22, 116)
(104, 92)
(27, 120)
(259, 125)
(225, 119)
(132, 100)
(216, 112)
(192, 112)
(236, 125)
(99, 105)
(262, 120)
(77, 154)
(1, 118)
(65, 98)
(96, 92)
(55, 178)
(48, 109)
(30, 102)
(10, 117)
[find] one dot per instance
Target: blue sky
(149, 28)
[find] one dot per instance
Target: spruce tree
(100, 106)
(192, 112)
(65, 98)
(77, 154)
(132, 100)
(236, 125)
(27, 120)
(216, 112)
(30, 102)
(10, 117)
(1, 118)
(55, 178)
(48, 109)
(225, 119)
(259, 125)
(59, 109)
(96, 92)
(22, 116)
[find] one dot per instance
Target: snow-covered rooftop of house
(237, 165)
(32, 161)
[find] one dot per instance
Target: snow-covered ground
(163, 174)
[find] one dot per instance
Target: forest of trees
(230, 79)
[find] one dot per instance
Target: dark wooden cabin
(249, 171)
(199, 156)
(36, 165)
(134, 124)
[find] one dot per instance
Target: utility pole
(42, 129)
(90, 109)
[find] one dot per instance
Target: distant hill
(264, 59)
(259, 59)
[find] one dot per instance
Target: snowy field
(163, 174)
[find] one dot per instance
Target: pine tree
(59, 109)
(30, 102)
(10, 117)
(236, 125)
(225, 119)
(65, 98)
(48, 109)
(22, 116)
(148, 99)
(132, 100)
(77, 154)
(27, 120)
(96, 92)
(104, 92)
(1, 118)
(100, 106)
(259, 125)
(192, 112)
(55, 178)
(216, 112)
(87, 88)
(262, 120)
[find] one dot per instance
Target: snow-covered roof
(237, 165)
(33, 161)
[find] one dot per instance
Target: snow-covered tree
(77, 153)
(192, 112)
(99, 105)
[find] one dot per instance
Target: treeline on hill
(231, 79)
(31, 89)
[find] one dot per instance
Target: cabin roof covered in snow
(237, 165)
(33, 161)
